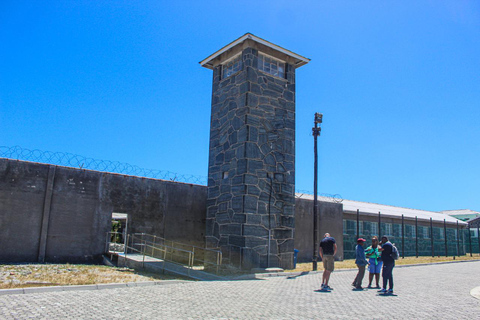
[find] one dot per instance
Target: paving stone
(42, 289)
(80, 287)
(421, 292)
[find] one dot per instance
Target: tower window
(232, 66)
(271, 65)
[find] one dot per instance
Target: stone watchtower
(251, 170)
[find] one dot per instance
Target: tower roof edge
(208, 62)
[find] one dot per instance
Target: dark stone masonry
(251, 179)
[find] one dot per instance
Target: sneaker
(390, 291)
(377, 287)
(359, 288)
(382, 291)
(327, 288)
(370, 287)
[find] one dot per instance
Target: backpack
(395, 255)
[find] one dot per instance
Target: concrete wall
(50, 213)
(22, 196)
(330, 220)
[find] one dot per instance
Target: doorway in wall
(118, 232)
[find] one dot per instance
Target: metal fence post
(470, 239)
(458, 243)
(189, 262)
(193, 255)
(153, 246)
(403, 237)
(416, 236)
(126, 247)
(445, 236)
(478, 237)
(358, 223)
(379, 225)
(144, 245)
(431, 238)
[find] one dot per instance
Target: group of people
(379, 256)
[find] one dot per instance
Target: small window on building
(397, 230)
(375, 229)
(388, 229)
(409, 231)
(473, 233)
(225, 175)
(426, 233)
(367, 228)
(271, 65)
(232, 66)
(351, 227)
(442, 234)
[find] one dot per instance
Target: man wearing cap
(361, 262)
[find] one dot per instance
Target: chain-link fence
(414, 240)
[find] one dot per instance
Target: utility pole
(316, 133)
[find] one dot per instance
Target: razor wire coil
(81, 162)
(77, 161)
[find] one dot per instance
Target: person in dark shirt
(388, 264)
(328, 249)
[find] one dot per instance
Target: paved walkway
(422, 292)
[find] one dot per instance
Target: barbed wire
(333, 197)
(77, 161)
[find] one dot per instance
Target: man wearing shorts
(328, 249)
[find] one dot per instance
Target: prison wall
(58, 214)
(330, 219)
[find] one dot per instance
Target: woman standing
(375, 260)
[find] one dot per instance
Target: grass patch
(36, 275)
(350, 263)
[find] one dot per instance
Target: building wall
(408, 244)
(82, 201)
(50, 213)
(330, 220)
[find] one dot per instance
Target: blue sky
(398, 84)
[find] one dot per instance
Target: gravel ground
(35, 275)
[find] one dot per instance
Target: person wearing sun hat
(361, 262)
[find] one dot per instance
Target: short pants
(328, 262)
(372, 268)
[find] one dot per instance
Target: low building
(414, 232)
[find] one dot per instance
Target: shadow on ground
(299, 275)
